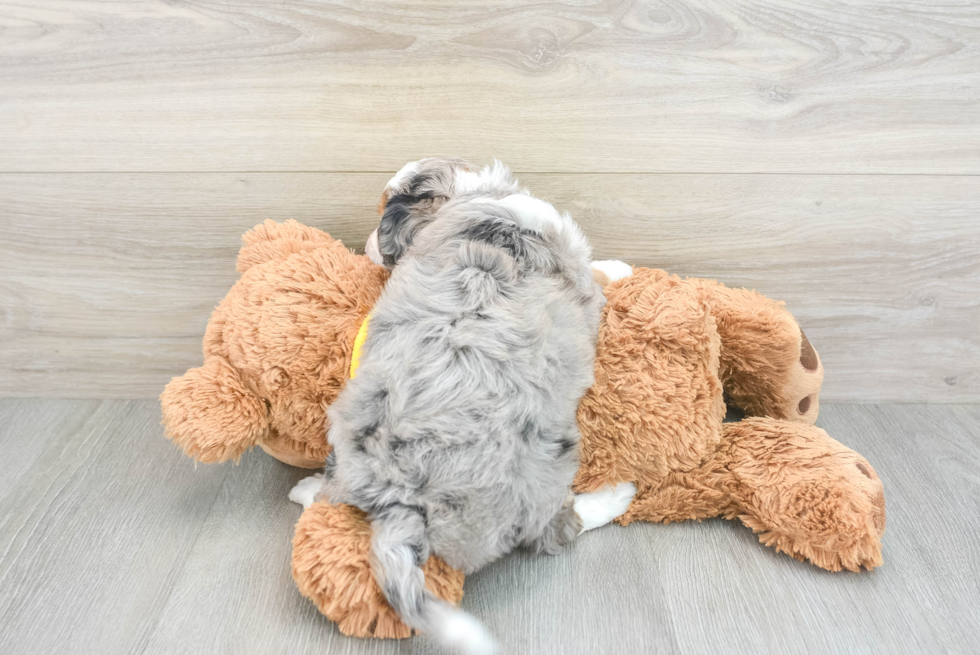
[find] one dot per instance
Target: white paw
(614, 269)
(305, 491)
(600, 507)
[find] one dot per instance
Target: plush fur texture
(803, 492)
(277, 349)
(654, 416)
(332, 566)
(458, 435)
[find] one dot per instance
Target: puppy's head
(414, 195)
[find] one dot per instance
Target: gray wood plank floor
(111, 541)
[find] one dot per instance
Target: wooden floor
(824, 152)
(111, 541)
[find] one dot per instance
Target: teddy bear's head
(277, 349)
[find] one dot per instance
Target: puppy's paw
(305, 491)
(600, 507)
(613, 269)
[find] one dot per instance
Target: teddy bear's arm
(211, 414)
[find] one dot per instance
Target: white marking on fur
(373, 250)
(614, 269)
(305, 491)
(459, 630)
(600, 507)
(493, 179)
(466, 182)
(406, 171)
(534, 214)
(497, 176)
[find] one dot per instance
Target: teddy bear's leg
(768, 366)
(211, 414)
(804, 493)
(332, 567)
(656, 405)
(700, 492)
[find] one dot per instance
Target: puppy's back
(459, 433)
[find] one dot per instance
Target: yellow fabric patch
(355, 354)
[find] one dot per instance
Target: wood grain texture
(749, 599)
(928, 461)
(650, 86)
(108, 279)
(111, 541)
(94, 532)
(235, 593)
(33, 426)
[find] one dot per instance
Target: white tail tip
(461, 631)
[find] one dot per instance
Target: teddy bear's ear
(272, 240)
(211, 414)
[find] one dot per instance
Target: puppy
(458, 433)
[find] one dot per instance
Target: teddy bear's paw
(212, 413)
(600, 507)
(802, 386)
(835, 520)
(305, 491)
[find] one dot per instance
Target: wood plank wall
(825, 153)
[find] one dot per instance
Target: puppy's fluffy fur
(458, 435)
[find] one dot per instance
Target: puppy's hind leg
(564, 526)
(310, 489)
(602, 506)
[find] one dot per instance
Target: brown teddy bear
(278, 350)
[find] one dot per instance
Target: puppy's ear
(411, 200)
(397, 227)
(403, 215)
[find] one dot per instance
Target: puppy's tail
(398, 547)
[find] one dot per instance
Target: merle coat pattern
(458, 435)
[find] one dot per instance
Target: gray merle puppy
(458, 434)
